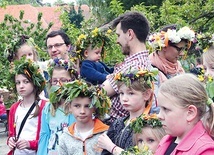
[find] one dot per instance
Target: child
(91, 47)
(135, 89)
(208, 61)
(25, 47)
(183, 103)
(3, 112)
(88, 103)
(148, 132)
(29, 83)
(54, 116)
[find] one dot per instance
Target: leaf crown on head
(15, 44)
(162, 39)
(204, 41)
(68, 91)
(31, 70)
(96, 38)
(145, 120)
(129, 77)
(66, 64)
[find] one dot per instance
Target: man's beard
(126, 49)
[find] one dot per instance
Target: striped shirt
(137, 60)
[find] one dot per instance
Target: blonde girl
(29, 83)
(135, 89)
(208, 61)
(55, 116)
(183, 102)
(25, 47)
(148, 132)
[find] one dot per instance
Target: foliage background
(199, 15)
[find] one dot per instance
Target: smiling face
(57, 47)
(81, 111)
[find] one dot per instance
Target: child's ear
(147, 94)
(86, 53)
(69, 47)
(191, 113)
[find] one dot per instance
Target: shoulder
(86, 62)
(46, 108)
(15, 105)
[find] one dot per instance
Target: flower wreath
(68, 91)
(15, 44)
(145, 120)
(66, 64)
(204, 41)
(137, 125)
(161, 39)
(132, 75)
(29, 69)
(95, 38)
(135, 150)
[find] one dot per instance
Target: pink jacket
(12, 132)
(196, 142)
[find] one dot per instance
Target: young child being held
(55, 117)
(183, 102)
(23, 128)
(87, 103)
(90, 48)
(135, 89)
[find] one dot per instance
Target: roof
(50, 14)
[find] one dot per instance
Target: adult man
(132, 29)
(58, 44)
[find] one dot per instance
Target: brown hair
(138, 85)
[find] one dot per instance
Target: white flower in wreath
(186, 33)
(173, 36)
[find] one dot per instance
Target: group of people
(93, 109)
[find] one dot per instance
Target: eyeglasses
(54, 81)
(179, 49)
(57, 45)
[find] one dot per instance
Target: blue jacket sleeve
(89, 72)
(108, 69)
(44, 132)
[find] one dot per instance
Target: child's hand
(11, 143)
(105, 142)
(22, 144)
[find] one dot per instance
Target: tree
(75, 17)
(12, 27)
(32, 2)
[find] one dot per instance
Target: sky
(52, 1)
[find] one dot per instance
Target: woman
(169, 45)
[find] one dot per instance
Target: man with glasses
(58, 44)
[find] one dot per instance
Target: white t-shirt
(29, 130)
